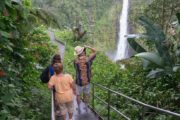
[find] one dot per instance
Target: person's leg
(56, 105)
(63, 110)
(57, 110)
(78, 96)
(86, 101)
(86, 93)
(64, 117)
(70, 108)
(70, 115)
(86, 96)
(78, 99)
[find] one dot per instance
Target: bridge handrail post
(93, 96)
(143, 112)
(52, 106)
(109, 97)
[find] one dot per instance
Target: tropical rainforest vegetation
(151, 75)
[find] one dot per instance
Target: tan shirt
(63, 85)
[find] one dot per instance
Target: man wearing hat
(82, 65)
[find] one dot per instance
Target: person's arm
(50, 86)
(72, 84)
(51, 83)
(74, 87)
(93, 52)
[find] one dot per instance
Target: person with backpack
(82, 65)
(49, 71)
(46, 75)
(64, 89)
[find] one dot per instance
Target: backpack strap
(51, 71)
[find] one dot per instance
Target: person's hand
(86, 46)
(50, 86)
(74, 91)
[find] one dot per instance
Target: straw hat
(78, 50)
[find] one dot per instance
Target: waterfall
(123, 46)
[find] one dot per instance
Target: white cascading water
(123, 46)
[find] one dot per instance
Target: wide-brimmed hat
(78, 50)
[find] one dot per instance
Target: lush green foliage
(25, 49)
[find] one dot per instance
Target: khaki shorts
(83, 89)
(66, 107)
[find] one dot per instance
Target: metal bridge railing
(144, 106)
(52, 105)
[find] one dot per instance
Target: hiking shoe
(86, 109)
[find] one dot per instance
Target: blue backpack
(46, 73)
